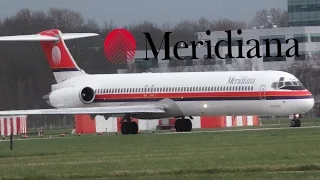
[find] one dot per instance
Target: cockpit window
(274, 85)
(280, 84)
(287, 84)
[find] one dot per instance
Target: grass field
(265, 154)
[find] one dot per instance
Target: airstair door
(263, 92)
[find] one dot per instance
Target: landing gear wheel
(179, 125)
(129, 128)
(183, 125)
(187, 125)
(295, 123)
(134, 128)
(125, 128)
(298, 123)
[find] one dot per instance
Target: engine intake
(87, 95)
(71, 97)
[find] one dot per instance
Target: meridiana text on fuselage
(241, 80)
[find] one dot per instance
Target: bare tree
(279, 17)
(308, 72)
(226, 24)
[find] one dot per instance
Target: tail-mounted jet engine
(71, 97)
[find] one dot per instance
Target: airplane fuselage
(197, 93)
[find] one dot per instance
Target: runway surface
(170, 133)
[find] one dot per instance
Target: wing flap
(92, 110)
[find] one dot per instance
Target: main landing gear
(183, 125)
(295, 122)
(128, 126)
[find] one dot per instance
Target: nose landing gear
(295, 122)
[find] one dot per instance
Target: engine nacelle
(71, 97)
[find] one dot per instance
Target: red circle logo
(119, 46)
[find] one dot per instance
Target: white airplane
(162, 95)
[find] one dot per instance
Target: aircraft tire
(179, 125)
(133, 128)
(298, 123)
(293, 123)
(187, 125)
(125, 128)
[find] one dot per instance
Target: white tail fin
(59, 58)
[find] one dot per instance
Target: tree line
(25, 75)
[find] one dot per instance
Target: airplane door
(145, 90)
(263, 92)
(152, 90)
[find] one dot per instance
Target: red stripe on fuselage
(201, 94)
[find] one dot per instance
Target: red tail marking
(56, 53)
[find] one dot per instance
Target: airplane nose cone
(308, 103)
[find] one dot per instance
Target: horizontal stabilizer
(67, 36)
(39, 37)
(114, 110)
(34, 37)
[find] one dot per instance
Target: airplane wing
(114, 110)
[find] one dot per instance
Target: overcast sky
(159, 11)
